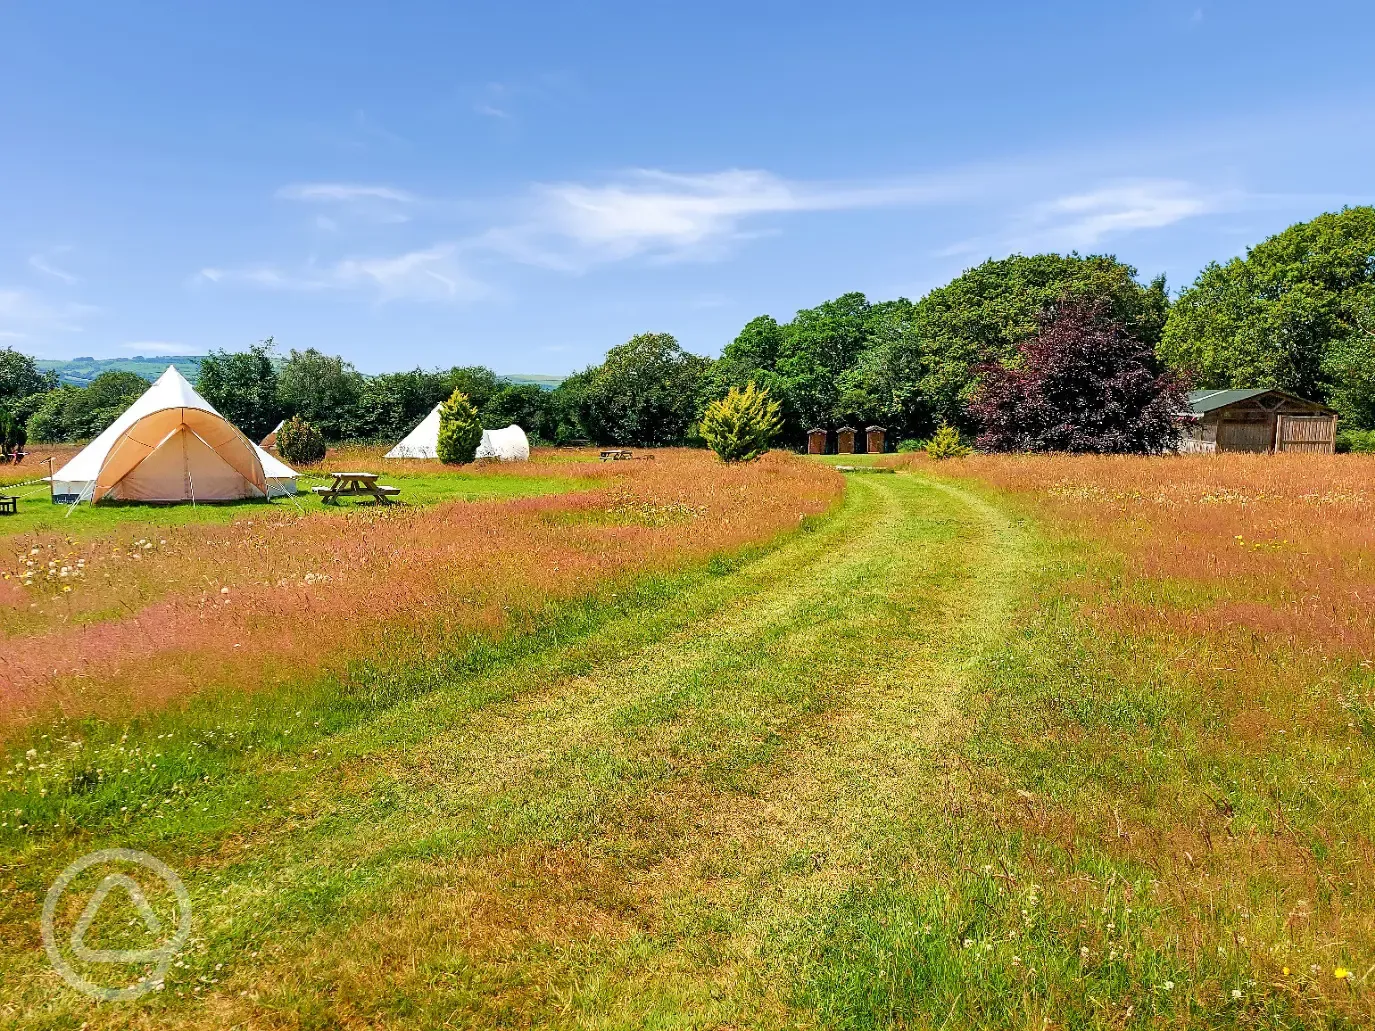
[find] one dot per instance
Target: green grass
(37, 514)
(702, 762)
(879, 774)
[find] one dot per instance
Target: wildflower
(1236, 993)
(1169, 986)
(1341, 973)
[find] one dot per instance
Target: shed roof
(1203, 401)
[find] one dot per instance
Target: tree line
(1029, 352)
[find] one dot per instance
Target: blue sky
(524, 185)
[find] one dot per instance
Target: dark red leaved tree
(1082, 384)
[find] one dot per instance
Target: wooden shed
(816, 441)
(1257, 420)
(873, 439)
(845, 440)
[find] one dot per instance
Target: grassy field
(421, 483)
(1017, 743)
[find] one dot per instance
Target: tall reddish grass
(245, 604)
(1284, 544)
(1230, 596)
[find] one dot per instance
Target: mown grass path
(634, 829)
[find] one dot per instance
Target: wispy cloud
(1087, 219)
(42, 262)
(1083, 219)
(669, 215)
(494, 101)
(503, 100)
(342, 193)
(660, 216)
(430, 274)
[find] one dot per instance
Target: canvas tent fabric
(271, 439)
(171, 445)
(507, 445)
(421, 442)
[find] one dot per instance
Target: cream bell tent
(270, 441)
(508, 445)
(171, 445)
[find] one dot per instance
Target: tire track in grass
(631, 832)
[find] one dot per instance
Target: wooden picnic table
(8, 505)
(615, 454)
(356, 485)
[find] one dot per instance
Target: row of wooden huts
(846, 441)
(1257, 420)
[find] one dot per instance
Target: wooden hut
(873, 439)
(1257, 420)
(816, 441)
(845, 440)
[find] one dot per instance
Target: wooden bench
(615, 454)
(8, 505)
(355, 485)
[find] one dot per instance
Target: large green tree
(984, 314)
(817, 347)
(324, 390)
(242, 385)
(20, 377)
(645, 393)
(522, 404)
(1287, 315)
(70, 414)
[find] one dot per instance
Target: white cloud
(41, 263)
(1083, 219)
(417, 274)
(431, 274)
(653, 212)
(343, 193)
(655, 215)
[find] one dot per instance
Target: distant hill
(543, 382)
(80, 371)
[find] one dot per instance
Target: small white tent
(508, 445)
(421, 442)
(171, 445)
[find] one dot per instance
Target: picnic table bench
(355, 485)
(8, 505)
(615, 454)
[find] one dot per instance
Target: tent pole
(52, 497)
(186, 461)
